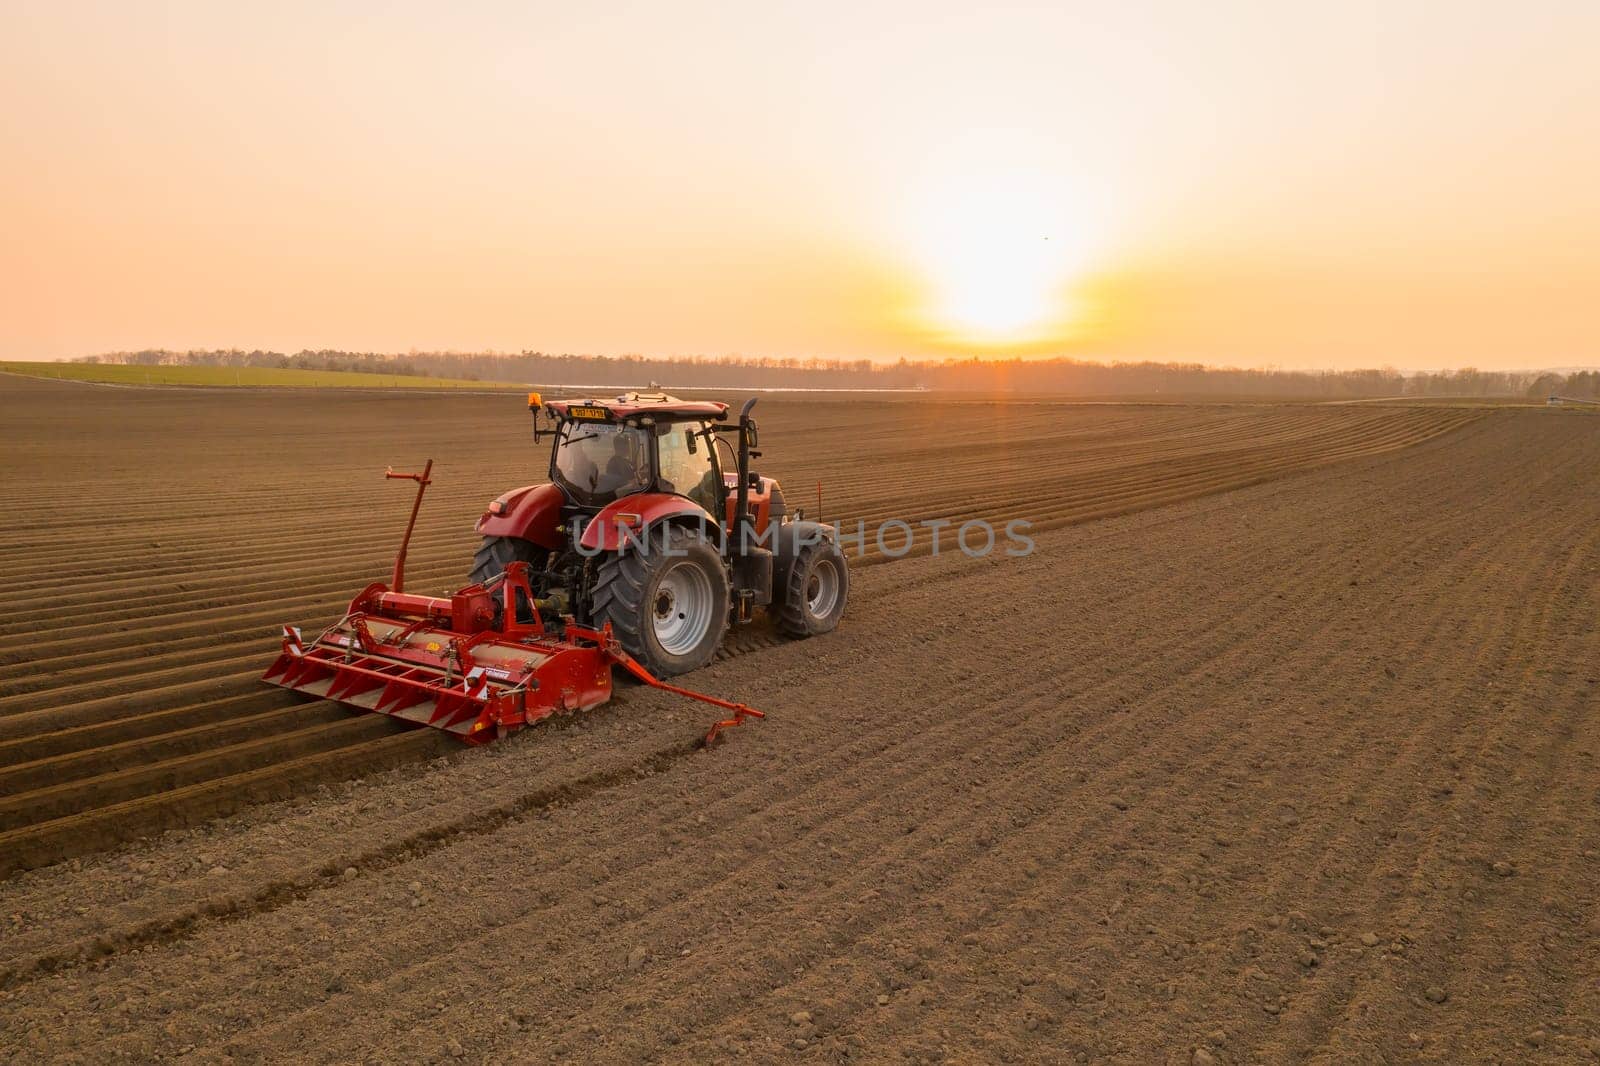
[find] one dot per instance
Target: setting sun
(999, 254)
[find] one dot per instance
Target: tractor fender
(532, 513)
(626, 521)
(787, 539)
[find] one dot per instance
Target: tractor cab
(606, 450)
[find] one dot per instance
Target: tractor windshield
(600, 461)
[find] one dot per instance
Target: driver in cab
(624, 472)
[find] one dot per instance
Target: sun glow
(1000, 255)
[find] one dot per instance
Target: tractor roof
(658, 405)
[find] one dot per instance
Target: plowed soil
(1280, 746)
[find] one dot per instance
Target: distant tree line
(1583, 385)
(354, 362)
(1070, 376)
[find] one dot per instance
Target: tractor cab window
(688, 466)
(600, 461)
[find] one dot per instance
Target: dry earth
(1299, 766)
(153, 537)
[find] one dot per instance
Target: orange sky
(1246, 183)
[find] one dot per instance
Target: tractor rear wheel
(812, 599)
(497, 553)
(666, 600)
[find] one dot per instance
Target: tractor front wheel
(812, 599)
(666, 600)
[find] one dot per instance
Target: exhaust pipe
(741, 508)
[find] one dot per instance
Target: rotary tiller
(480, 663)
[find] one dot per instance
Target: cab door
(687, 462)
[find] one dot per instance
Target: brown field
(1281, 746)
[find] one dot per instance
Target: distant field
(237, 376)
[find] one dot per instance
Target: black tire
(814, 592)
(497, 553)
(667, 602)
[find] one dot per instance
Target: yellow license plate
(589, 412)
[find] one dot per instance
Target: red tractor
(653, 522)
(650, 537)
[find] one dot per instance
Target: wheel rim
(683, 608)
(822, 589)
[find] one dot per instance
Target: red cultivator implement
(480, 663)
